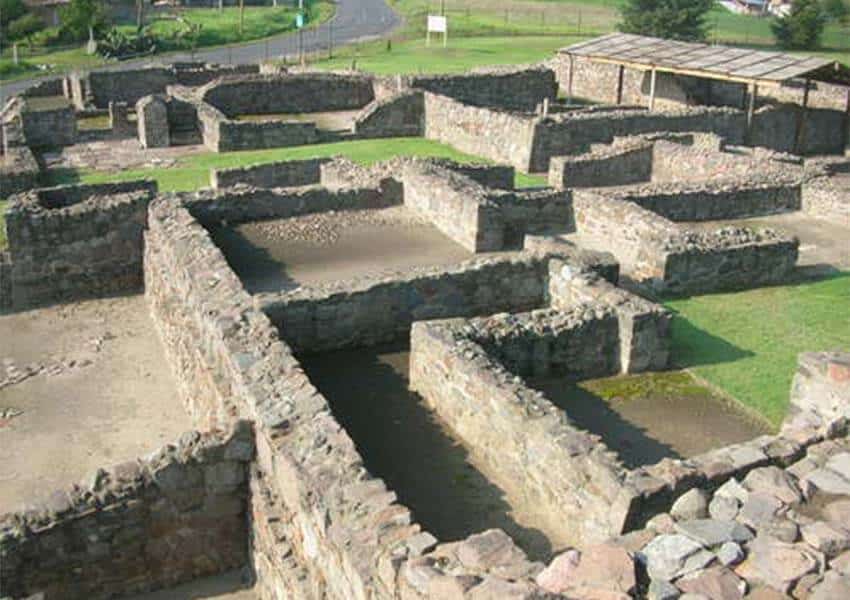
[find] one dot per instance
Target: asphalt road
(354, 20)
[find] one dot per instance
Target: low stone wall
(511, 88)
(644, 327)
(775, 127)
(247, 135)
(288, 93)
(124, 85)
(517, 436)
(73, 242)
(828, 198)
(48, 127)
(152, 122)
(19, 170)
(244, 204)
(5, 281)
(753, 196)
(533, 211)
(615, 165)
(365, 313)
(401, 115)
(288, 173)
(456, 205)
(655, 252)
(45, 87)
(171, 517)
(579, 258)
(500, 136)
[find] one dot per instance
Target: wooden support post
(751, 109)
(847, 121)
(620, 84)
(652, 90)
(570, 81)
(801, 121)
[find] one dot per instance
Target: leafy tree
(802, 27)
(24, 27)
(11, 10)
(671, 19)
(79, 15)
(837, 10)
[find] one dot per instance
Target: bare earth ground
(287, 253)
(227, 586)
(116, 155)
(82, 386)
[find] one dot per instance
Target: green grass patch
(2, 224)
(193, 172)
(746, 343)
(646, 385)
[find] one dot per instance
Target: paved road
(354, 20)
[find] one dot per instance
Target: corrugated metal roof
(704, 60)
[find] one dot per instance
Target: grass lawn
(193, 172)
(490, 32)
(217, 28)
(746, 343)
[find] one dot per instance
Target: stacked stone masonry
(159, 521)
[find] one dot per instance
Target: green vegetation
(491, 32)
(802, 27)
(193, 172)
(646, 385)
(747, 343)
(666, 18)
(191, 27)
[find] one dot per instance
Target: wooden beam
(652, 90)
(801, 120)
(751, 109)
(620, 84)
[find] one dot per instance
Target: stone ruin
(540, 283)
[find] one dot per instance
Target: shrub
(669, 19)
(24, 27)
(116, 44)
(802, 27)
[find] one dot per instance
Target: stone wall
(456, 205)
(401, 115)
(364, 313)
(246, 135)
(125, 85)
(827, 197)
(752, 196)
(270, 175)
(616, 165)
(74, 242)
(775, 127)
(152, 119)
(478, 218)
(511, 88)
(244, 204)
(19, 170)
(45, 87)
(655, 252)
(323, 527)
(288, 93)
(519, 438)
(644, 327)
(575, 131)
(500, 136)
(5, 281)
(48, 127)
(168, 518)
(577, 257)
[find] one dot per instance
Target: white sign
(437, 24)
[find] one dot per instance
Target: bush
(670, 19)
(802, 27)
(24, 27)
(116, 44)
(79, 16)
(837, 10)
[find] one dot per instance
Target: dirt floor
(82, 386)
(228, 586)
(823, 243)
(338, 120)
(648, 419)
(406, 444)
(285, 254)
(116, 155)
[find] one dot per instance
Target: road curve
(354, 20)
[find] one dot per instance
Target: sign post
(299, 24)
(437, 24)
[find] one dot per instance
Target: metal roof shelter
(740, 65)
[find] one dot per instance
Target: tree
(837, 10)
(11, 10)
(671, 19)
(79, 16)
(802, 27)
(24, 27)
